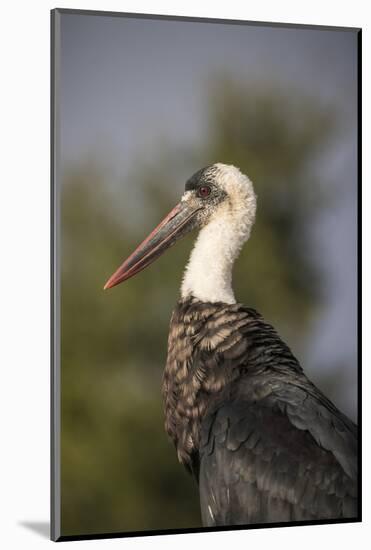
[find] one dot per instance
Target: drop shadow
(42, 528)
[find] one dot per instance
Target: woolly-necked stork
(264, 444)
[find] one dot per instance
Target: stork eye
(204, 191)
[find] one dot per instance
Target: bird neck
(208, 274)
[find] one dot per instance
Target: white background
(24, 267)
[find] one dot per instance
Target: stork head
(217, 192)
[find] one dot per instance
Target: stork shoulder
(292, 400)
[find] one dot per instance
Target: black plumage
(264, 444)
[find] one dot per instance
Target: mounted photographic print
(205, 194)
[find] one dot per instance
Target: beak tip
(113, 281)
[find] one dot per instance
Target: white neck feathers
(208, 275)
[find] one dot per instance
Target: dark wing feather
(263, 442)
(283, 458)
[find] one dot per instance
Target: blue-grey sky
(110, 65)
(128, 83)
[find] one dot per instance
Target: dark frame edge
(161, 532)
(55, 484)
(359, 262)
(185, 18)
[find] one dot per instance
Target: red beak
(176, 224)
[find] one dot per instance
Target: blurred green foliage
(119, 471)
